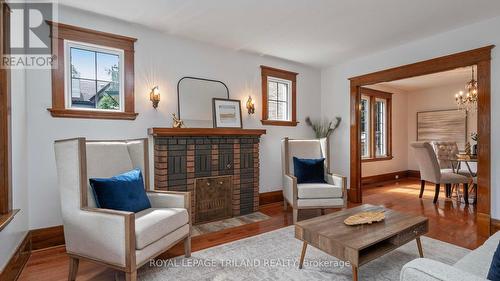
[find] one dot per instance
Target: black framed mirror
(194, 99)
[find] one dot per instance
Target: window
(94, 77)
(278, 97)
(375, 107)
(380, 127)
(365, 126)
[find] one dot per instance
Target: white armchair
(121, 240)
(332, 194)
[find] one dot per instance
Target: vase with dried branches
(323, 128)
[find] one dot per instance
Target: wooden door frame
(480, 57)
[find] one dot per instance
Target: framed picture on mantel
(227, 113)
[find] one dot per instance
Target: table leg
(466, 193)
(303, 254)
(419, 246)
(354, 273)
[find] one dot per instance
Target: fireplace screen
(213, 198)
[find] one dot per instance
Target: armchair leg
(187, 247)
(436, 195)
(295, 214)
(131, 276)
(73, 268)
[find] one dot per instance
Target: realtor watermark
(30, 36)
(272, 263)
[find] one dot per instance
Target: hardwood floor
(449, 221)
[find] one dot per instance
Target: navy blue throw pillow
(309, 170)
(124, 192)
(494, 273)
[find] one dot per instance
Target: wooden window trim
(373, 95)
(6, 212)
(266, 72)
(59, 33)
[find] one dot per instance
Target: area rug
(228, 223)
(274, 256)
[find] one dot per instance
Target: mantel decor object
(365, 218)
(227, 113)
(177, 122)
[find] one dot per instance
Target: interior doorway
(481, 59)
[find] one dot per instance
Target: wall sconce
(154, 96)
(250, 105)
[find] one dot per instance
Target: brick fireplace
(219, 166)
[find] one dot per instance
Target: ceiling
(317, 33)
(459, 77)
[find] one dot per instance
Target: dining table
(456, 164)
(463, 158)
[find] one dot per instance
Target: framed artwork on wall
(442, 125)
(227, 113)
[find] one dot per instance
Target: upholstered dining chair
(332, 194)
(430, 171)
(446, 152)
(117, 239)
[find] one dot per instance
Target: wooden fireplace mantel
(193, 132)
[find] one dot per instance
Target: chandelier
(468, 101)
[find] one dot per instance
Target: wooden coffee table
(362, 243)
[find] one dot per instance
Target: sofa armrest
(430, 270)
(103, 235)
(290, 189)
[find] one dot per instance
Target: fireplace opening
(213, 198)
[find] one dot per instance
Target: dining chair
(446, 152)
(431, 171)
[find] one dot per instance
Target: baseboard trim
(495, 226)
(414, 174)
(388, 177)
(18, 260)
(270, 197)
(48, 237)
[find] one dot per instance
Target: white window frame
(68, 44)
(288, 98)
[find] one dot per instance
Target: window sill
(386, 158)
(88, 114)
(7, 218)
(279, 123)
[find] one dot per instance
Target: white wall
(440, 98)
(399, 118)
(335, 85)
(169, 58)
(14, 232)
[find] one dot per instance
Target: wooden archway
(482, 59)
